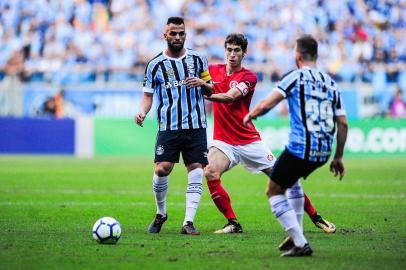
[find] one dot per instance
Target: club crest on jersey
(159, 150)
(170, 72)
(270, 157)
(233, 84)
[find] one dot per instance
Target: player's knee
(162, 171)
(211, 173)
(274, 189)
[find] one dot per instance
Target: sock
(296, 200)
(308, 207)
(221, 199)
(287, 218)
(160, 184)
(193, 193)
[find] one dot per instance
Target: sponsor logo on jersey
(270, 157)
(175, 83)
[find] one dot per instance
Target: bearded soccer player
(179, 77)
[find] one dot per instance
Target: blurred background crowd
(79, 42)
(88, 40)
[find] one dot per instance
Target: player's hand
(337, 167)
(193, 82)
(247, 119)
(139, 119)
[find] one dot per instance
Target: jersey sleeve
(148, 84)
(247, 83)
(204, 72)
(287, 83)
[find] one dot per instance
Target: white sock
(287, 218)
(296, 200)
(160, 185)
(193, 193)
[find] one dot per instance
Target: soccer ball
(107, 230)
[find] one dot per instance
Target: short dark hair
(237, 39)
(175, 20)
(307, 47)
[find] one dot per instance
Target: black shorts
(192, 143)
(289, 168)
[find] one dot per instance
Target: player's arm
(264, 106)
(232, 95)
(337, 165)
(147, 98)
(145, 107)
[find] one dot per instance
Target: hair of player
(237, 39)
(307, 47)
(175, 20)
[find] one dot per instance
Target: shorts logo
(159, 150)
(270, 157)
(205, 154)
(233, 84)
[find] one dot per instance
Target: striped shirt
(314, 103)
(177, 107)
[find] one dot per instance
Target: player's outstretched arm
(145, 107)
(232, 95)
(263, 106)
(337, 165)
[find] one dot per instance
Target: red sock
(221, 199)
(308, 207)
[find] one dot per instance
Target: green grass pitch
(48, 206)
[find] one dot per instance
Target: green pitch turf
(48, 206)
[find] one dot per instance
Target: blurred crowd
(71, 41)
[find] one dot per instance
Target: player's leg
(286, 216)
(166, 155)
(316, 218)
(219, 162)
(160, 187)
(193, 194)
(295, 196)
(194, 152)
(283, 177)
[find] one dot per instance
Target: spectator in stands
(397, 107)
(115, 36)
(54, 105)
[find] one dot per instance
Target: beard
(175, 47)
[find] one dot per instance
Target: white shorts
(254, 156)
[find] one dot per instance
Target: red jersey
(228, 117)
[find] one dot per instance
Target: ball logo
(159, 150)
(233, 84)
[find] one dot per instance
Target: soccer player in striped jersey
(179, 78)
(316, 110)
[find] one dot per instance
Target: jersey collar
(176, 59)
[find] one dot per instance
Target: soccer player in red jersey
(233, 142)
